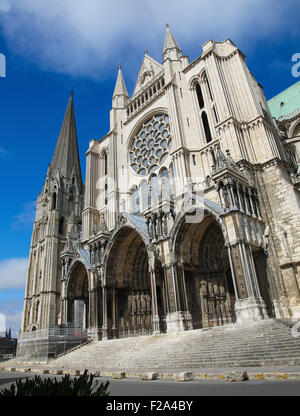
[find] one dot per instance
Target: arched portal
(78, 297)
(206, 274)
(129, 291)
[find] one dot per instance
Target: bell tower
(58, 208)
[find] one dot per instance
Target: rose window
(151, 145)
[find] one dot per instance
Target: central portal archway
(129, 293)
(206, 272)
(78, 296)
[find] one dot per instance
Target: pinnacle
(120, 88)
(170, 41)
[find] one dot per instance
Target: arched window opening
(105, 193)
(199, 95)
(248, 205)
(53, 201)
(154, 190)
(135, 200)
(105, 163)
(61, 225)
(213, 156)
(209, 89)
(145, 195)
(206, 127)
(235, 195)
(242, 197)
(172, 180)
(165, 184)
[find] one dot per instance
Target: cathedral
(189, 216)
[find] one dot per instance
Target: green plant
(79, 386)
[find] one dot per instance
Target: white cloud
(5, 5)
(11, 315)
(13, 273)
(89, 38)
(25, 218)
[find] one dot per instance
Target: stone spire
(66, 155)
(120, 88)
(171, 48)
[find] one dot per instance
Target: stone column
(175, 317)
(249, 305)
(188, 317)
(114, 317)
(155, 317)
(64, 310)
(93, 326)
(104, 313)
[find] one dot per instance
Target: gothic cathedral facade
(190, 212)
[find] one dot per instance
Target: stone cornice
(272, 162)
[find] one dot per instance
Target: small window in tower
(105, 194)
(61, 225)
(105, 163)
(194, 160)
(53, 201)
(206, 127)
(209, 89)
(199, 95)
(213, 156)
(216, 114)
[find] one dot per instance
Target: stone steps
(267, 342)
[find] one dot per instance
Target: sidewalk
(222, 374)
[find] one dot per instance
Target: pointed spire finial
(170, 41)
(119, 67)
(120, 88)
(66, 154)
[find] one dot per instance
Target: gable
(150, 69)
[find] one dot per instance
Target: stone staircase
(263, 343)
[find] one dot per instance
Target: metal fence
(40, 345)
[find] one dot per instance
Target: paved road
(133, 387)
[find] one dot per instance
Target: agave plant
(78, 386)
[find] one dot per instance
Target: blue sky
(50, 49)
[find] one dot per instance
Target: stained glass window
(151, 145)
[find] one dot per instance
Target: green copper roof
(287, 103)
